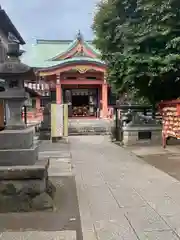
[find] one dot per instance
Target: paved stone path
(64, 222)
(121, 196)
(39, 235)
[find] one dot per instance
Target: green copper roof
(41, 54)
(49, 64)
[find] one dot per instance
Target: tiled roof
(43, 52)
(50, 64)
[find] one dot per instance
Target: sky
(51, 19)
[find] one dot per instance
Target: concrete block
(9, 157)
(31, 187)
(37, 171)
(16, 139)
(130, 135)
(41, 235)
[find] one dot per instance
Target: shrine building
(70, 72)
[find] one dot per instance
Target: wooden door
(68, 100)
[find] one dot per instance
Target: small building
(71, 72)
(8, 32)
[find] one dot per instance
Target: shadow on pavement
(168, 163)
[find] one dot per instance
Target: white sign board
(57, 120)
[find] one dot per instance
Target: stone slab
(12, 93)
(48, 146)
(158, 235)
(36, 171)
(140, 128)
(26, 195)
(11, 187)
(16, 203)
(88, 127)
(25, 203)
(9, 157)
(130, 138)
(55, 154)
(8, 139)
(60, 167)
(39, 235)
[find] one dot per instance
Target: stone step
(54, 154)
(89, 130)
(89, 133)
(60, 169)
(21, 157)
(33, 235)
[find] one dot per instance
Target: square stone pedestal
(24, 184)
(132, 135)
(26, 188)
(17, 147)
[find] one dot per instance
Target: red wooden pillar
(38, 103)
(58, 90)
(104, 100)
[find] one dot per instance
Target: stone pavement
(39, 235)
(61, 224)
(121, 196)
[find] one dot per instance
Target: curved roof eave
(95, 51)
(72, 61)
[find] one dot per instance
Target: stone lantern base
(17, 147)
(26, 188)
(24, 183)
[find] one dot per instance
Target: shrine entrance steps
(86, 126)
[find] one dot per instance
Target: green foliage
(140, 41)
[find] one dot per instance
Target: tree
(140, 41)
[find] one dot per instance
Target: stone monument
(45, 128)
(141, 130)
(24, 184)
(132, 125)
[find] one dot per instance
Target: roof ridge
(43, 41)
(55, 41)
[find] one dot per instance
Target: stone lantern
(24, 183)
(16, 141)
(14, 73)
